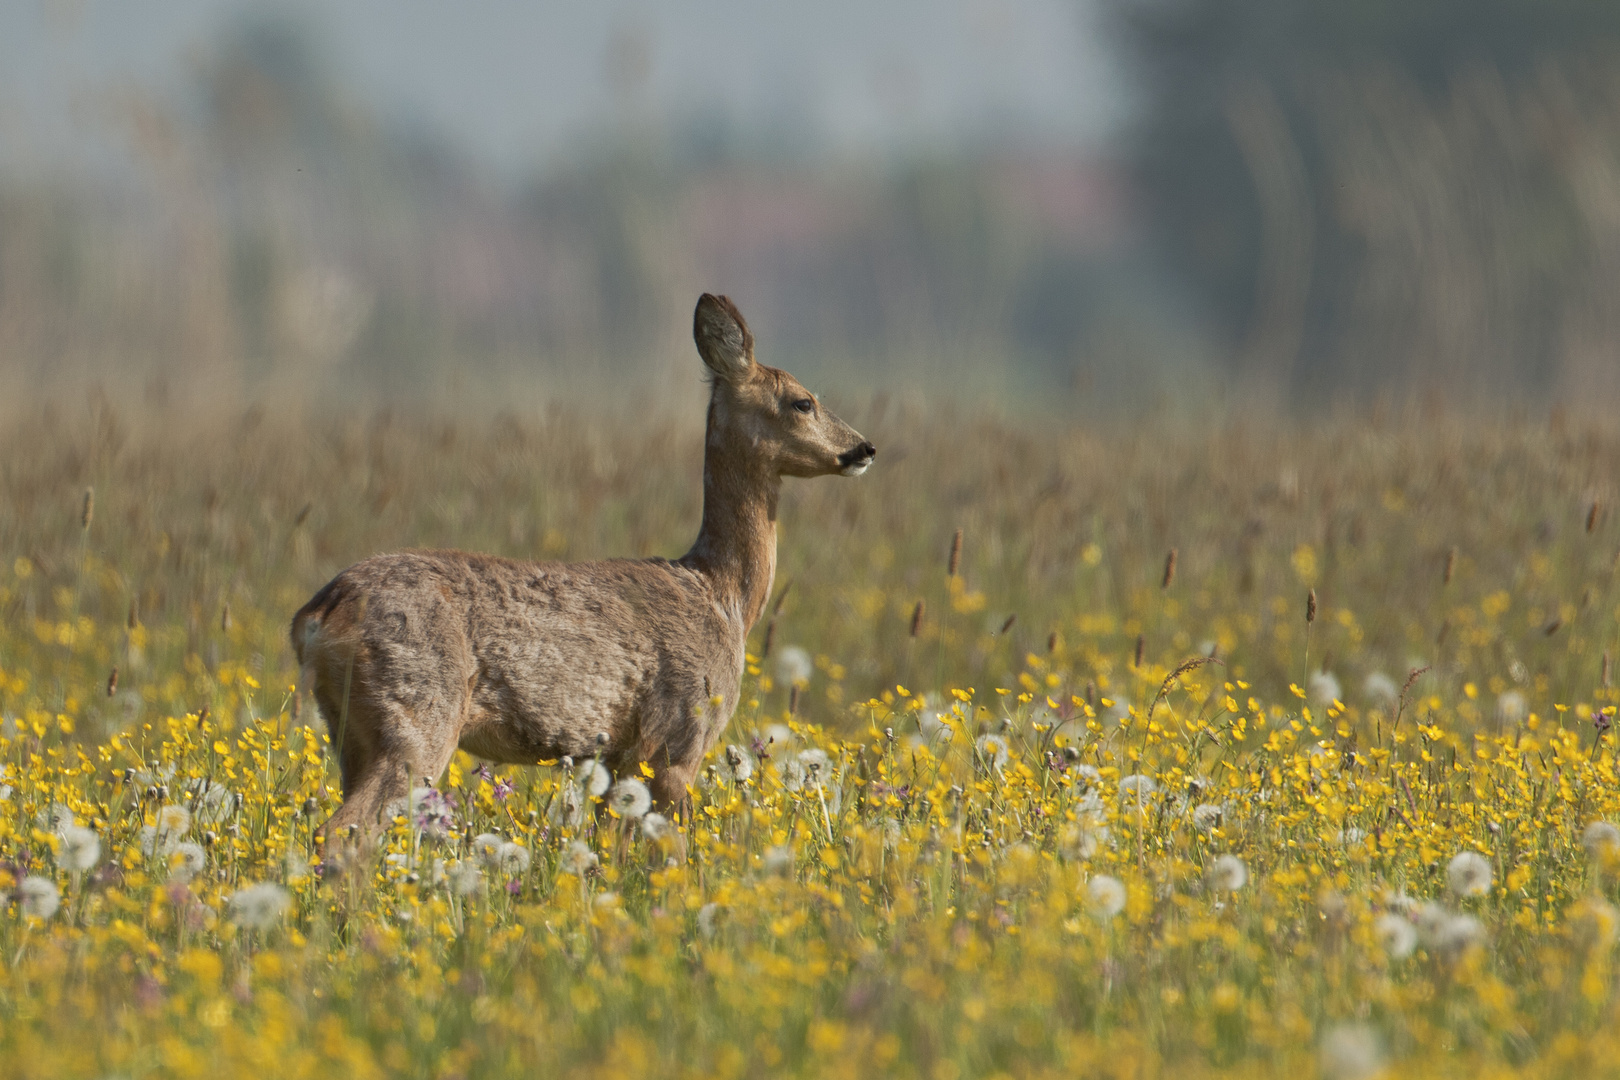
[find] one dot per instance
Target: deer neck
(736, 547)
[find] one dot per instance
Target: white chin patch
(857, 468)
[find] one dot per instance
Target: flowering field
(1191, 754)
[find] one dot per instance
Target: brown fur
(411, 655)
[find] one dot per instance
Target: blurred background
(1098, 205)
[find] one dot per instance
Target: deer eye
(805, 405)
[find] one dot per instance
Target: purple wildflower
(433, 812)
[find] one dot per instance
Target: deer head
(763, 414)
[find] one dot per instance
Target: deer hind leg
(381, 762)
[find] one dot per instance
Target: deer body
(412, 655)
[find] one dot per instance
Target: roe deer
(414, 654)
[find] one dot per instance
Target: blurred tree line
(1370, 193)
(275, 228)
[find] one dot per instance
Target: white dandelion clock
(705, 918)
(1396, 935)
(1086, 779)
(511, 858)
(1469, 874)
(777, 737)
(38, 897)
(794, 774)
(794, 666)
(1458, 934)
(655, 827)
(1595, 923)
(486, 846)
(1227, 874)
(1351, 1052)
(579, 859)
(992, 750)
(1137, 789)
(1601, 840)
(186, 861)
(1430, 920)
(1511, 708)
(1105, 897)
(55, 818)
(778, 860)
(1381, 690)
(932, 727)
(259, 907)
(593, 778)
(1323, 689)
(737, 764)
(173, 821)
(630, 798)
(1080, 839)
(79, 850)
(465, 878)
(1207, 817)
(817, 766)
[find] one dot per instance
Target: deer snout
(854, 462)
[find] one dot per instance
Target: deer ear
(722, 337)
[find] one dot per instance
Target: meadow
(1172, 747)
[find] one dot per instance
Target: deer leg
(377, 777)
(668, 787)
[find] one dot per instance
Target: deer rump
(414, 654)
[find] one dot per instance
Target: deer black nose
(862, 453)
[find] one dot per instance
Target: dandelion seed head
(186, 861)
(1458, 934)
(38, 897)
(1601, 840)
(173, 820)
(485, 847)
(80, 848)
(1396, 935)
(511, 858)
(54, 818)
(1469, 874)
(1351, 1052)
(778, 860)
(817, 765)
(258, 907)
(630, 798)
(593, 778)
(1137, 788)
(1595, 923)
(655, 827)
(705, 918)
(1227, 873)
(1105, 896)
(1207, 817)
(993, 749)
(1323, 689)
(794, 666)
(465, 878)
(1380, 690)
(738, 764)
(579, 859)
(1512, 707)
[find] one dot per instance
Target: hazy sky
(517, 83)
